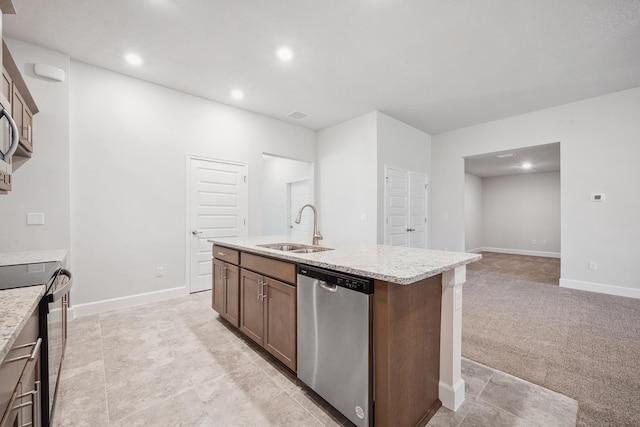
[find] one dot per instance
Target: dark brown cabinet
(20, 379)
(225, 290)
(258, 295)
(268, 314)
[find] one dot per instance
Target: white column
(451, 387)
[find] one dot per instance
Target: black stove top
(22, 275)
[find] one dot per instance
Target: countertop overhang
(394, 264)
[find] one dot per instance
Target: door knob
(196, 232)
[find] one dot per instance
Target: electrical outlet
(534, 242)
(593, 265)
(159, 271)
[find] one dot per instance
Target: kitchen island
(416, 318)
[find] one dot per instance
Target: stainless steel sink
(311, 250)
(295, 248)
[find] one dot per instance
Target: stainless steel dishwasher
(335, 340)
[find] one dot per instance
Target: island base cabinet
(251, 305)
(280, 321)
(224, 295)
(407, 351)
(268, 315)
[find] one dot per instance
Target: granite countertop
(389, 263)
(16, 306)
(32, 257)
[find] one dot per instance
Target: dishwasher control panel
(355, 283)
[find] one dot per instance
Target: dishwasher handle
(327, 286)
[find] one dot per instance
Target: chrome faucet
(317, 236)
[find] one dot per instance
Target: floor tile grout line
(104, 371)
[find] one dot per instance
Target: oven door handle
(55, 296)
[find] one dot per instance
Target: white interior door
(298, 197)
(397, 207)
(405, 208)
(218, 208)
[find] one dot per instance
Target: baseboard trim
(475, 251)
(451, 397)
(78, 310)
(600, 288)
(521, 252)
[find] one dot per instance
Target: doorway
(217, 207)
(287, 185)
(512, 212)
(298, 196)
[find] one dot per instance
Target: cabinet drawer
(226, 254)
(10, 371)
(277, 269)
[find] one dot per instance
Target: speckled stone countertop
(32, 257)
(389, 263)
(16, 306)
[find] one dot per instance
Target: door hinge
(425, 186)
(425, 220)
(244, 221)
(387, 179)
(245, 179)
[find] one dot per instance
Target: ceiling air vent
(298, 115)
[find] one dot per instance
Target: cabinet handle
(223, 253)
(264, 290)
(224, 273)
(34, 352)
(259, 290)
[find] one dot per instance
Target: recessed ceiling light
(285, 54)
(237, 94)
(526, 165)
(133, 59)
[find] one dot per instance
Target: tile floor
(176, 363)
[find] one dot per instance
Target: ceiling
(434, 64)
(542, 158)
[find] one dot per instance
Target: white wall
(518, 209)
(277, 173)
(400, 146)
(129, 141)
(40, 184)
(473, 212)
(347, 181)
(599, 153)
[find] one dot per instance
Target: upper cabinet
(16, 98)
(23, 107)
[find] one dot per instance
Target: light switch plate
(35, 219)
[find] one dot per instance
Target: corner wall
(347, 181)
(599, 153)
(520, 209)
(404, 147)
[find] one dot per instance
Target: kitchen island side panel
(407, 351)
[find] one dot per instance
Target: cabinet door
(27, 127)
(217, 290)
(251, 305)
(7, 84)
(280, 321)
(17, 109)
(231, 278)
